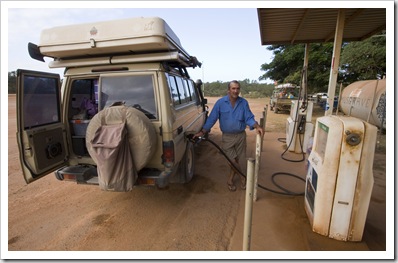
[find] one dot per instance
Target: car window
(173, 90)
(134, 90)
(191, 90)
(184, 96)
(40, 102)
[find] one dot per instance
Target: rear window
(40, 102)
(134, 90)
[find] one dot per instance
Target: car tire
(188, 163)
(141, 133)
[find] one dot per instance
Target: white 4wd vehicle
(138, 63)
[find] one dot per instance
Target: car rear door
(41, 133)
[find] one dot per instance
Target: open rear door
(40, 131)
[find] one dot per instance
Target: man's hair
(234, 81)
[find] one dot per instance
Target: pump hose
(286, 191)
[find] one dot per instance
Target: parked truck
(282, 96)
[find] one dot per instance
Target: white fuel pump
(299, 127)
(339, 181)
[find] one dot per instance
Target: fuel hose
(285, 191)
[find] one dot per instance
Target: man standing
(234, 114)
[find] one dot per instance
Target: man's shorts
(234, 145)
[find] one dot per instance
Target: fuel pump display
(339, 181)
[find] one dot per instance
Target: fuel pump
(299, 127)
(339, 180)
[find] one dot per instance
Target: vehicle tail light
(168, 154)
(69, 177)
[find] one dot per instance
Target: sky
(225, 40)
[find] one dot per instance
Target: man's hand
(259, 129)
(199, 134)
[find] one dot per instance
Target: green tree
(287, 65)
(364, 59)
(359, 61)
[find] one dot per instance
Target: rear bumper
(87, 174)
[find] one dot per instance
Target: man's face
(234, 90)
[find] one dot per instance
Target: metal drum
(366, 100)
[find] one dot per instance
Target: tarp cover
(142, 135)
(111, 148)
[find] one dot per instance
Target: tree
(359, 61)
(288, 62)
(364, 59)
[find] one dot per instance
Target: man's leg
(231, 176)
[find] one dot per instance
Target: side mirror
(198, 83)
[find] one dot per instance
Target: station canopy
(281, 26)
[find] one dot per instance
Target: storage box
(80, 127)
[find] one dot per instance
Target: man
(234, 114)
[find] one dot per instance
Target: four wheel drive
(124, 81)
(282, 96)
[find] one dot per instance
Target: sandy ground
(50, 215)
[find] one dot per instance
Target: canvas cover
(142, 135)
(115, 167)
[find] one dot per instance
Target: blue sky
(226, 40)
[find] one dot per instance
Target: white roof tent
(110, 42)
(282, 26)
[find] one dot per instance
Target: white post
(334, 69)
(257, 164)
(248, 205)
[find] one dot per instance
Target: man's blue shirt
(232, 120)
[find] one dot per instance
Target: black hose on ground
(286, 191)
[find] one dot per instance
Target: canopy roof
(280, 26)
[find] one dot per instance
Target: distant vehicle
(134, 68)
(282, 96)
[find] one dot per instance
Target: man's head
(233, 89)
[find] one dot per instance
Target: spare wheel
(141, 132)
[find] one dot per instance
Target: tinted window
(40, 101)
(135, 91)
(191, 90)
(174, 91)
(184, 96)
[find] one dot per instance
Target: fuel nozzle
(191, 138)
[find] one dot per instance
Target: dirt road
(50, 215)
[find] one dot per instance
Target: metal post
(339, 100)
(248, 205)
(257, 164)
(263, 122)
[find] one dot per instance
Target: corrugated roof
(310, 25)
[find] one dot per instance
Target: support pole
(334, 69)
(248, 205)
